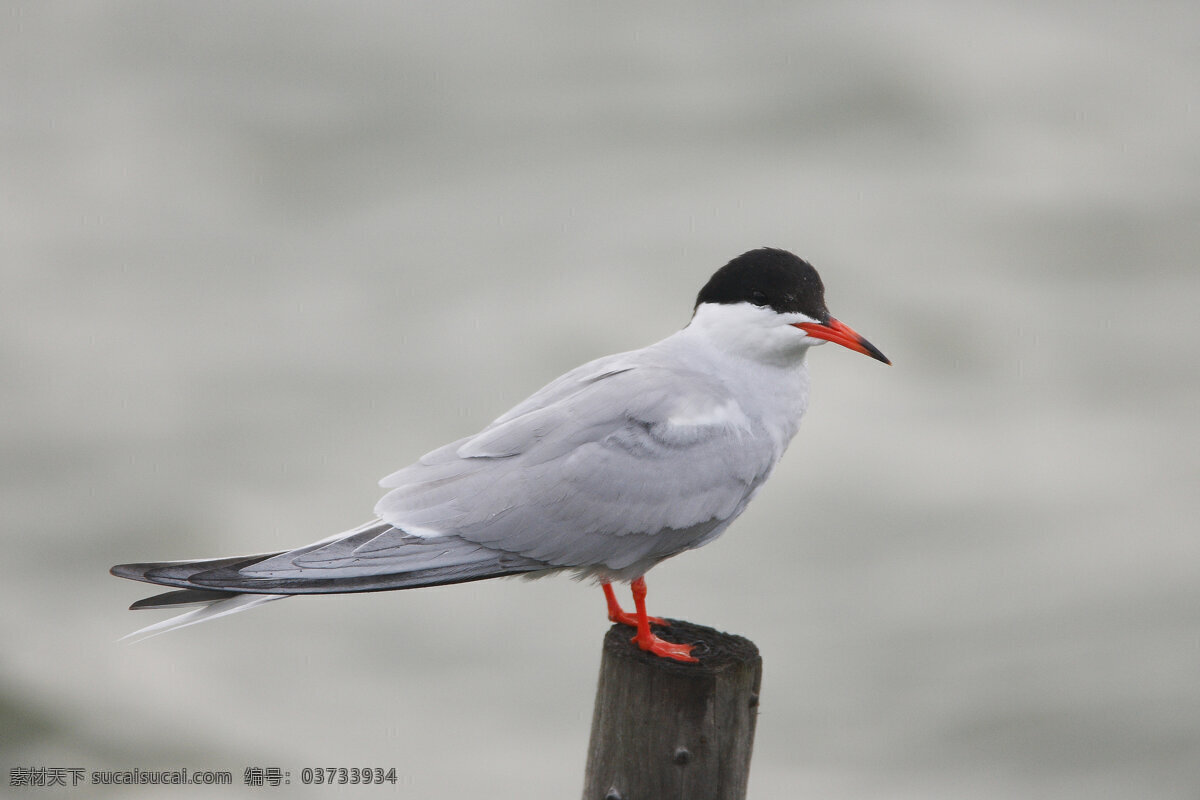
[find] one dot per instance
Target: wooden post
(666, 729)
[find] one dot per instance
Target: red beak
(840, 333)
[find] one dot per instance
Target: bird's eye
(758, 298)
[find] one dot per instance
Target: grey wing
(613, 468)
(372, 557)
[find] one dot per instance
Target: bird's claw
(665, 649)
(625, 618)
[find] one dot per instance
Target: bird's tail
(371, 558)
(212, 605)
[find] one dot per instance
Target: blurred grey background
(257, 255)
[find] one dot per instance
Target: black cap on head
(769, 277)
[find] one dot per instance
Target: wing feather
(609, 467)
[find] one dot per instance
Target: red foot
(644, 638)
(663, 648)
(617, 614)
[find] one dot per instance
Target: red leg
(647, 640)
(617, 614)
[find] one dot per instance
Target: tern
(606, 471)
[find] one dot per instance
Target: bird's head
(769, 305)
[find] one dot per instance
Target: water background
(256, 255)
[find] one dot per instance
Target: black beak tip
(875, 353)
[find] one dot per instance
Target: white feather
(211, 610)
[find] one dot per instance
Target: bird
(603, 473)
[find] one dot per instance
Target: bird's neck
(744, 332)
(773, 390)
